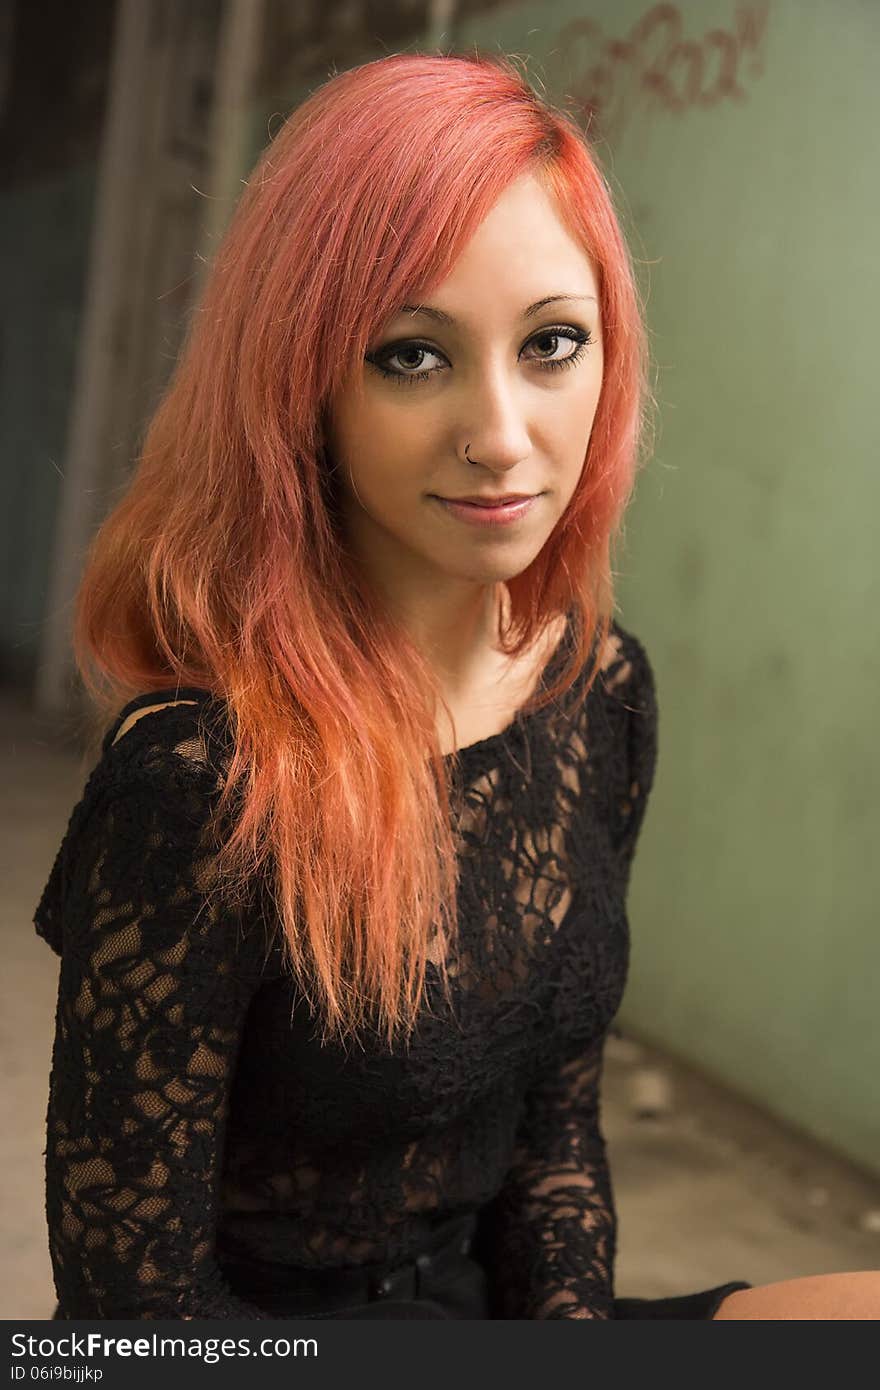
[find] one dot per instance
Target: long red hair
(223, 565)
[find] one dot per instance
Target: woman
(341, 912)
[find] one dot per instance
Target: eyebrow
(442, 317)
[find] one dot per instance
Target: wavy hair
(224, 566)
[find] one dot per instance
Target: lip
(478, 514)
(484, 500)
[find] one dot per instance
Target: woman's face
(492, 368)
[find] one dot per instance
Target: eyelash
(582, 337)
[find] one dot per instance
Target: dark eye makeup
(582, 338)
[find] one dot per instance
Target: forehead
(520, 253)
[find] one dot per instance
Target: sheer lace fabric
(193, 1114)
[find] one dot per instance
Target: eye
(412, 370)
(577, 338)
(412, 354)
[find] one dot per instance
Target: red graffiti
(655, 68)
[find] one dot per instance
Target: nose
(494, 422)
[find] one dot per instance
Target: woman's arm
(550, 1234)
(549, 1237)
(153, 990)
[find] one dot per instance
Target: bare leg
(817, 1296)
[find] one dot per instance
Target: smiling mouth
(490, 502)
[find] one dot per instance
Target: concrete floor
(708, 1189)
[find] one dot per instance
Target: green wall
(751, 570)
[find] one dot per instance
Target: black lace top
(192, 1110)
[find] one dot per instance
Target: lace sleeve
(153, 989)
(550, 1233)
(632, 685)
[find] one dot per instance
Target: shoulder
(157, 754)
(626, 676)
(132, 719)
(157, 714)
(163, 760)
(159, 759)
(154, 736)
(145, 813)
(628, 683)
(629, 735)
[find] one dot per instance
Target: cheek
(570, 428)
(358, 426)
(588, 407)
(385, 447)
(379, 463)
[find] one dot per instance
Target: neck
(457, 637)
